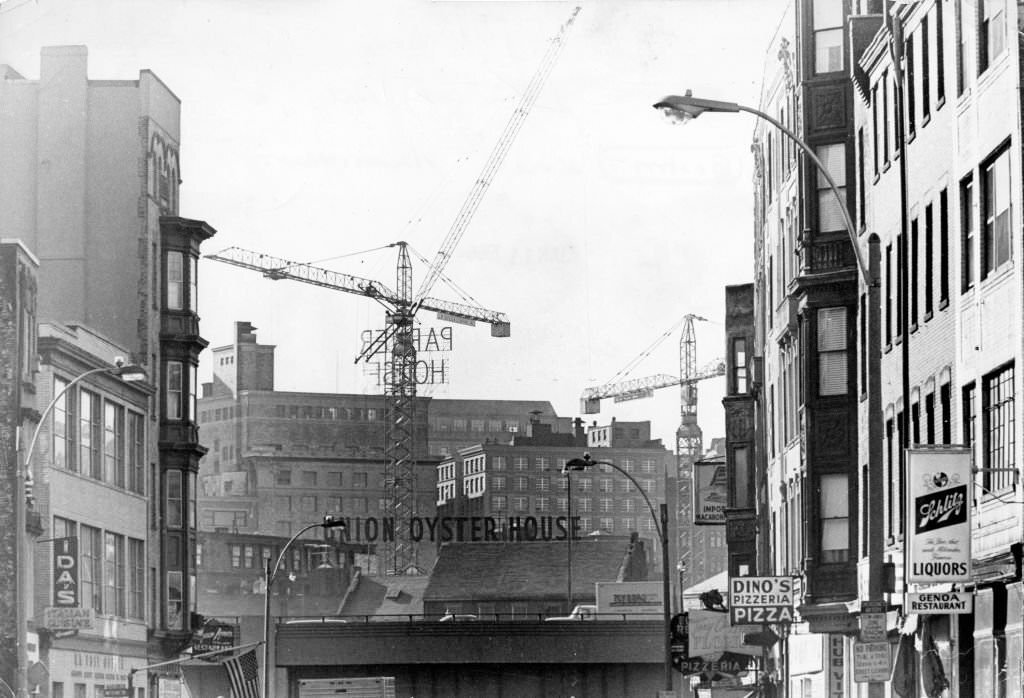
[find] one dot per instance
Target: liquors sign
(939, 515)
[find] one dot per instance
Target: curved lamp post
(271, 573)
(684, 108)
(127, 372)
(661, 526)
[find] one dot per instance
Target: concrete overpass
(479, 659)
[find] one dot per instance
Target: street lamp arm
(650, 507)
(42, 417)
(851, 228)
(272, 573)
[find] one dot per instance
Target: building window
(911, 81)
(498, 502)
(520, 503)
(498, 482)
(739, 365)
(885, 118)
(585, 504)
(543, 484)
(926, 87)
(175, 388)
(522, 483)
(174, 497)
(863, 317)
(832, 359)
(283, 478)
(963, 34)
(607, 505)
(136, 453)
(113, 444)
(828, 36)
(307, 503)
(175, 601)
(991, 32)
(90, 582)
(89, 434)
(830, 211)
(835, 519)
(995, 214)
(966, 233)
(876, 127)
(113, 574)
(586, 484)
(742, 495)
(175, 281)
(543, 463)
(943, 248)
(499, 462)
(62, 444)
(521, 463)
(861, 193)
(929, 263)
(947, 417)
(940, 55)
(998, 429)
(967, 413)
(606, 524)
(929, 418)
(888, 294)
(543, 503)
(914, 275)
(890, 471)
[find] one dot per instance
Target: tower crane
(689, 438)
(402, 306)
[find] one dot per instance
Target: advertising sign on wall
(939, 482)
(761, 600)
(65, 572)
(710, 493)
(634, 600)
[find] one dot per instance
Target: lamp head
(577, 464)
(686, 107)
(331, 521)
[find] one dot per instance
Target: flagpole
(179, 660)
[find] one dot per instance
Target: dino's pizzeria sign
(371, 529)
(939, 515)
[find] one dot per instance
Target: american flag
(244, 674)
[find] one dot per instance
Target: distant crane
(689, 438)
(398, 339)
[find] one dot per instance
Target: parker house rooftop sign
(371, 529)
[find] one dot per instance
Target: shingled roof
(498, 571)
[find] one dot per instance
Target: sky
(322, 131)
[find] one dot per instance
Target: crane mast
(689, 446)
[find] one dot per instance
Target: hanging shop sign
(65, 572)
(939, 515)
(710, 493)
(941, 602)
(760, 600)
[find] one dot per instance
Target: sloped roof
(526, 570)
(386, 596)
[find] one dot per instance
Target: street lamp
(685, 108)
(127, 372)
(661, 526)
(329, 521)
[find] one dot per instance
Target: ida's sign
(760, 600)
(65, 572)
(939, 515)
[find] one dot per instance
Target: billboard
(938, 508)
(637, 600)
(710, 493)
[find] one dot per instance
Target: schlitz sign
(939, 515)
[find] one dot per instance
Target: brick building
(279, 459)
(521, 486)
